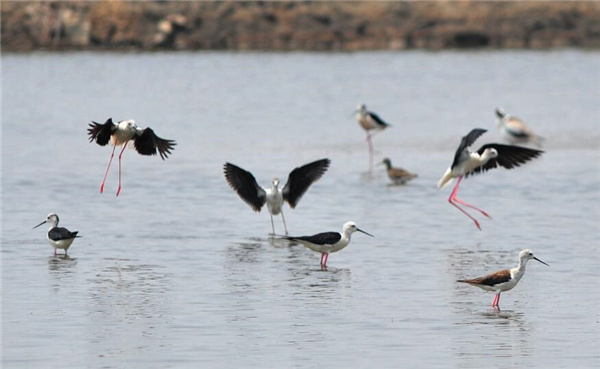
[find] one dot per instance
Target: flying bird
(503, 280)
(299, 180)
(397, 175)
(370, 121)
(489, 156)
(328, 242)
(514, 130)
(59, 237)
(145, 141)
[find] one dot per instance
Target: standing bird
(489, 156)
(299, 179)
(59, 237)
(328, 242)
(514, 130)
(144, 141)
(397, 175)
(503, 280)
(370, 121)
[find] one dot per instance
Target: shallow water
(177, 272)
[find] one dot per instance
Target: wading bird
(328, 242)
(299, 179)
(488, 156)
(144, 140)
(503, 280)
(514, 130)
(370, 121)
(397, 175)
(59, 237)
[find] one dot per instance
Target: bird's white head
(351, 227)
(526, 255)
(489, 153)
(128, 125)
(275, 182)
(52, 219)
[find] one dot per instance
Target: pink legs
(108, 167)
(120, 154)
(452, 199)
(324, 262)
(496, 302)
(370, 151)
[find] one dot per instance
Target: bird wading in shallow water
(59, 237)
(488, 156)
(144, 141)
(299, 179)
(503, 280)
(370, 121)
(397, 175)
(328, 242)
(514, 130)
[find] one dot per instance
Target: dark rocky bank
(297, 25)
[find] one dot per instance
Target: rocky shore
(297, 25)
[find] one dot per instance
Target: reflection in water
(61, 263)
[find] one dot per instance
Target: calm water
(177, 272)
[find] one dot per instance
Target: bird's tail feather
(446, 179)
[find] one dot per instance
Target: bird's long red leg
(370, 142)
(284, 225)
(108, 167)
(472, 207)
(326, 257)
(495, 299)
(322, 256)
(452, 198)
(498, 301)
(120, 154)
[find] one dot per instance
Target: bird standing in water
(370, 121)
(397, 175)
(59, 237)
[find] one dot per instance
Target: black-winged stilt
(503, 280)
(488, 156)
(299, 179)
(370, 121)
(514, 130)
(397, 175)
(59, 237)
(145, 141)
(328, 242)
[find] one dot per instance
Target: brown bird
(514, 130)
(397, 175)
(503, 280)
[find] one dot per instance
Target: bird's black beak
(44, 222)
(368, 234)
(534, 258)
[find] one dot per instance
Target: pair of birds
(299, 180)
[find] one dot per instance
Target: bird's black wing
(101, 132)
(244, 183)
(465, 143)
(325, 238)
(60, 233)
(509, 157)
(378, 120)
(147, 143)
(301, 178)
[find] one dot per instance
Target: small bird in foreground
(370, 121)
(59, 237)
(514, 130)
(503, 280)
(489, 156)
(145, 141)
(328, 242)
(397, 175)
(299, 179)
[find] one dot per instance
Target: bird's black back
(325, 238)
(378, 120)
(60, 233)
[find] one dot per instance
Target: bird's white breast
(274, 200)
